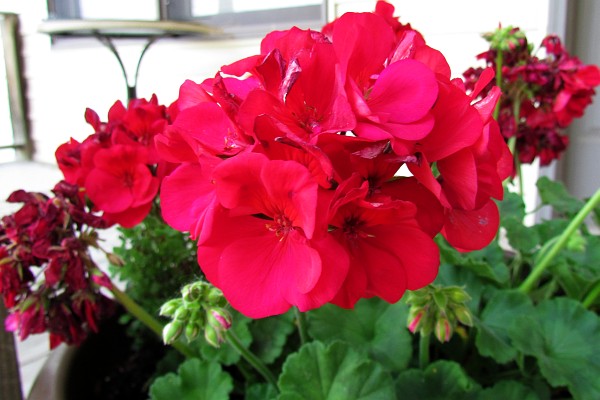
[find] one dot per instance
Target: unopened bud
(192, 329)
(213, 336)
(193, 292)
(457, 294)
(413, 323)
(221, 317)
(443, 330)
(463, 315)
(172, 331)
(181, 314)
(169, 308)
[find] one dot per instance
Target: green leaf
(270, 335)
(521, 237)
(260, 391)
(508, 390)
(336, 371)
(195, 380)
(512, 205)
(496, 319)
(563, 337)
(226, 354)
(555, 194)
(487, 263)
(373, 325)
(441, 380)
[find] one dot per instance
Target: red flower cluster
(46, 280)
(118, 165)
(541, 96)
(288, 164)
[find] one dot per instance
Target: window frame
(233, 25)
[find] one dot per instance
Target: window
(14, 133)
(236, 18)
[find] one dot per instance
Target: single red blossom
(121, 183)
(268, 220)
(388, 251)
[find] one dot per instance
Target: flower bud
(219, 318)
(443, 330)
(213, 336)
(193, 292)
(457, 294)
(181, 314)
(192, 329)
(414, 321)
(169, 308)
(172, 331)
(463, 315)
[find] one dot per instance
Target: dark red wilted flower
(541, 96)
(45, 266)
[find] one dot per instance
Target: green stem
(301, 320)
(256, 363)
(145, 318)
(424, 350)
(541, 266)
(591, 297)
(498, 81)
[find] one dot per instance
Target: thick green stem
(301, 321)
(544, 261)
(591, 296)
(424, 350)
(256, 363)
(145, 318)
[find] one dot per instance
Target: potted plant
(322, 272)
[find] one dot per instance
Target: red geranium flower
(121, 184)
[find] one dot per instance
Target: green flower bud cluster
(201, 307)
(438, 310)
(507, 39)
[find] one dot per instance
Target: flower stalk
(591, 297)
(148, 320)
(562, 241)
(301, 321)
(252, 359)
(424, 350)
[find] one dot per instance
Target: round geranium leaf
(373, 325)
(270, 336)
(195, 380)
(508, 390)
(336, 371)
(498, 315)
(441, 380)
(563, 337)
